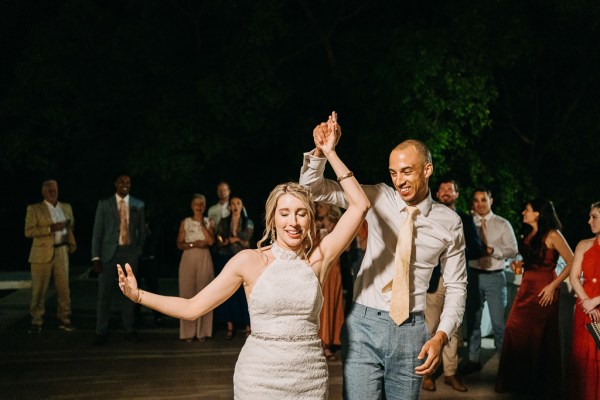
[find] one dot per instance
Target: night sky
(181, 95)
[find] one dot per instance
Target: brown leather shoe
(455, 383)
(428, 383)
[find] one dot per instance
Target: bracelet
(342, 177)
(139, 299)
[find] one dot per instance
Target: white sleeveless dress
(283, 358)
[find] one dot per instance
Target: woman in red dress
(584, 366)
(530, 360)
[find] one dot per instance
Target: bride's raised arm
(326, 136)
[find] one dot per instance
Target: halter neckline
(284, 254)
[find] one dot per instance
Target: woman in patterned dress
(196, 267)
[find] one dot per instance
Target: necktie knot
(411, 211)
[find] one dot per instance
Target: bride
(282, 358)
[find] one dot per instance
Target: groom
(383, 358)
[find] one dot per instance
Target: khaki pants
(57, 268)
(433, 311)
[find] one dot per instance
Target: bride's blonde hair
(302, 194)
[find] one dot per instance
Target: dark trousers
(108, 286)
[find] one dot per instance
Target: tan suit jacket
(37, 226)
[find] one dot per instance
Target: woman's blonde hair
(302, 194)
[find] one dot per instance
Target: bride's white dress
(283, 358)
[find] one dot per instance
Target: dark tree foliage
(182, 94)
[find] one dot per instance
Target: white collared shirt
(501, 237)
(438, 237)
(57, 215)
(217, 212)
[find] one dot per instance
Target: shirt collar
(119, 198)
(487, 217)
(52, 205)
(424, 206)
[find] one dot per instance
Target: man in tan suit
(50, 224)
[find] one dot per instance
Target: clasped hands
(326, 135)
(59, 226)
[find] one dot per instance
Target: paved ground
(60, 365)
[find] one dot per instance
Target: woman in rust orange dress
(332, 313)
(584, 366)
(530, 360)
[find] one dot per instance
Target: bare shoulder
(584, 245)
(247, 256)
(555, 235)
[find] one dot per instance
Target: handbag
(594, 329)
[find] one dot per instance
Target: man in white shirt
(221, 209)
(383, 359)
(50, 225)
(499, 243)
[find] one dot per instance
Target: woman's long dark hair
(547, 221)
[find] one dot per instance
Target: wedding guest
(447, 194)
(583, 380)
(50, 224)
(234, 234)
(118, 235)
(332, 313)
(499, 244)
(530, 361)
(221, 208)
(196, 267)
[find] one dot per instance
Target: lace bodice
(283, 358)
(286, 300)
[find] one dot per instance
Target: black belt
(60, 245)
(483, 271)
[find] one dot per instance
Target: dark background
(184, 94)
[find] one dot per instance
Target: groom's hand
(320, 134)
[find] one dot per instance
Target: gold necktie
(399, 307)
(124, 224)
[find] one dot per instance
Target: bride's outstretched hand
(128, 283)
